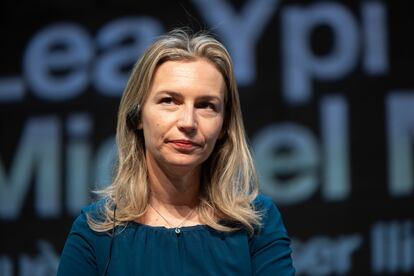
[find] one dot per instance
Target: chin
(183, 162)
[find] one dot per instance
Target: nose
(187, 122)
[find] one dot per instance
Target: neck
(173, 187)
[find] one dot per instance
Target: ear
(139, 126)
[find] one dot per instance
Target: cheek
(215, 130)
(154, 130)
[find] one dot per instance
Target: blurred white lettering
(78, 159)
(287, 160)
(6, 266)
(109, 77)
(240, 32)
(45, 264)
(325, 256)
(392, 247)
(38, 154)
(301, 65)
(288, 157)
(56, 62)
(335, 138)
(400, 125)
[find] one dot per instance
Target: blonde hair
(229, 182)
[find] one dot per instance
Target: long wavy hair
(229, 183)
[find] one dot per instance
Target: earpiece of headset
(111, 242)
(133, 117)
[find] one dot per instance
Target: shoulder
(263, 202)
(271, 219)
(270, 245)
(93, 211)
(84, 248)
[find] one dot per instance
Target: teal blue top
(139, 249)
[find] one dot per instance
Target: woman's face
(183, 114)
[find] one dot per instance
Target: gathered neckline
(172, 229)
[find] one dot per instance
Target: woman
(185, 197)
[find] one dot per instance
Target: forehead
(197, 77)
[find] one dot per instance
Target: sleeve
(78, 255)
(270, 246)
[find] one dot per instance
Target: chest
(193, 252)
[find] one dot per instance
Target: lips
(184, 144)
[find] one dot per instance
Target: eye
(207, 105)
(166, 100)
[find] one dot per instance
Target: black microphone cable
(111, 243)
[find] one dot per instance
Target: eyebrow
(179, 95)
